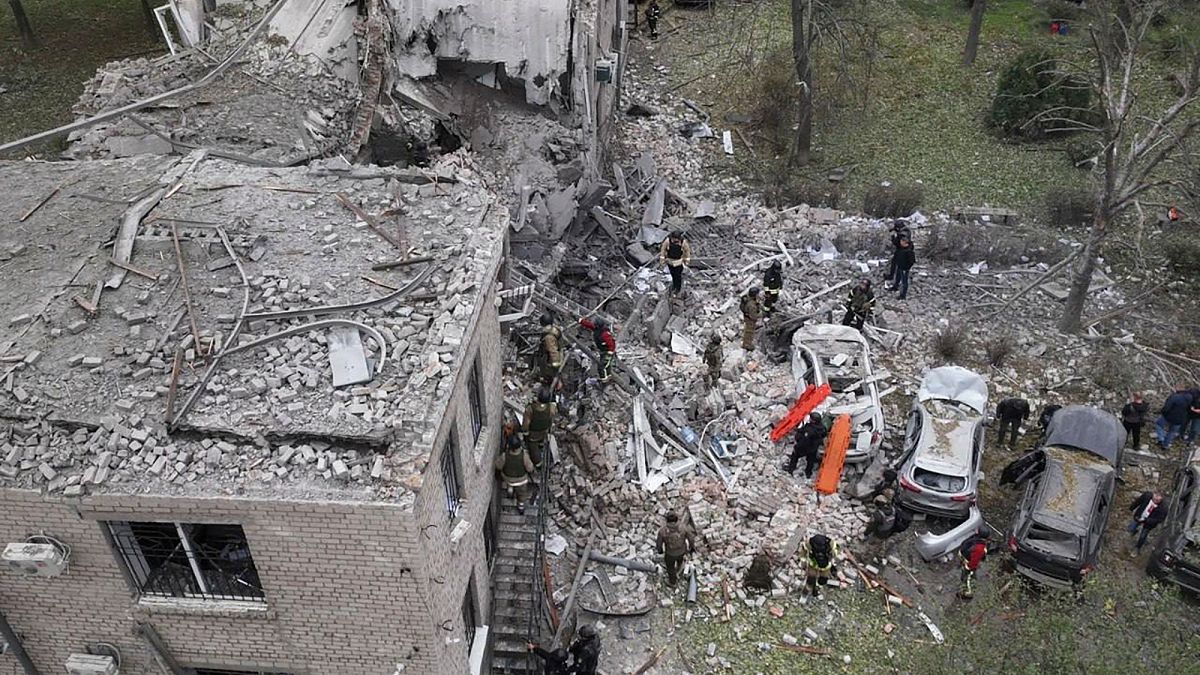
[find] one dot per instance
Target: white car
(943, 443)
(839, 355)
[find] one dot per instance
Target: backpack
(965, 549)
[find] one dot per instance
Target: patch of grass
(74, 39)
(998, 348)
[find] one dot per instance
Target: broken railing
(539, 601)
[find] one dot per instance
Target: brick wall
(338, 598)
(453, 564)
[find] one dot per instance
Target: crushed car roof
(827, 331)
(947, 444)
(1088, 429)
(956, 384)
(1068, 490)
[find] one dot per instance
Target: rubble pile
(274, 106)
(298, 272)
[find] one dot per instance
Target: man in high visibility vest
(822, 552)
(515, 467)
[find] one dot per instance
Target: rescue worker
(556, 661)
(515, 467)
(675, 541)
(653, 14)
(883, 518)
(773, 285)
(808, 445)
(586, 650)
(822, 551)
(1010, 413)
(859, 305)
(676, 254)
(712, 359)
(899, 231)
(903, 259)
(971, 554)
(536, 424)
(606, 346)
(751, 310)
(551, 349)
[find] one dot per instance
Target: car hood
(955, 384)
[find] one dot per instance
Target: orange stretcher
(835, 456)
(809, 399)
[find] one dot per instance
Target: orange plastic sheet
(809, 399)
(835, 456)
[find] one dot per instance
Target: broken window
(468, 615)
(489, 535)
(450, 478)
(188, 560)
(938, 481)
(475, 393)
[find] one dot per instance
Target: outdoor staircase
(517, 605)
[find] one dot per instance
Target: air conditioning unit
(91, 664)
(43, 560)
(605, 68)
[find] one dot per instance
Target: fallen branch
(369, 220)
(1127, 307)
(1042, 278)
(650, 662)
(40, 204)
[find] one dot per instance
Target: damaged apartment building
(250, 371)
(254, 434)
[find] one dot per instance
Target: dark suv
(1176, 555)
(1059, 525)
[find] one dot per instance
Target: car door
(1096, 535)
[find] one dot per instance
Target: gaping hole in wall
(398, 147)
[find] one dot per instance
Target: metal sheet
(347, 359)
(1089, 429)
(955, 384)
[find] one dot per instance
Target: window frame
(475, 401)
(452, 483)
(185, 567)
(470, 614)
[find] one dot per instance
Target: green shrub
(893, 201)
(1058, 10)
(998, 348)
(1079, 151)
(949, 343)
(1068, 207)
(1033, 98)
(774, 104)
(1182, 252)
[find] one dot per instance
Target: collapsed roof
(93, 351)
(953, 383)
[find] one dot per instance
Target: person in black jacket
(1192, 430)
(586, 650)
(1047, 415)
(808, 445)
(653, 14)
(1173, 417)
(556, 661)
(899, 231)
(773, 286)
(904, 258)
(1010, 414)
(1148, 511)
(1133, 416)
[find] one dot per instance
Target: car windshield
(1053, 541)
(938, 481)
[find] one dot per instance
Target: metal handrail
(537, 589)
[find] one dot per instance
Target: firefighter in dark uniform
(822, 552)
(536, 423)
(551, 352)
(515, 467)
(653, 14)
(773, 285)
(712, 359)
(751, 309)
(675, 541)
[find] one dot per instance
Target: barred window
(489, 535)
(188, 560)
(450, 478)
(475, 394)
(468, 615)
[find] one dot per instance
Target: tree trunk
(977, 9)
(801, 46)
(1081, 281)
(23, 27)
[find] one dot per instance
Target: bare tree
(977, 9)
(843, 27)
(1136, 149)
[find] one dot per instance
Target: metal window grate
(475, 394)
(450, 478)
(186, 560)
(489, 535)
(468, 615)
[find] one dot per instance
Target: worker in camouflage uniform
(712, 359)
(537, 422)
(751, 310)
(773, 285)
(859, 305)
(550, 351)
(515, 468)
(675, 541)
